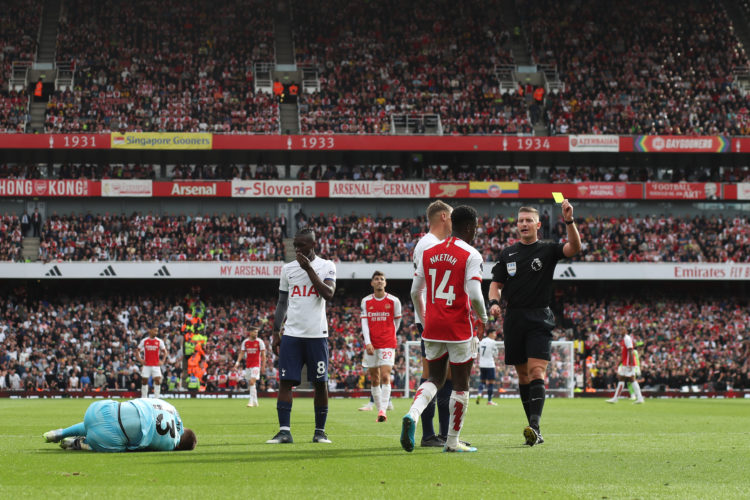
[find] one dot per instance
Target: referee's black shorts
(527, 334)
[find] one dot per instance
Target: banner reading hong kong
(493, 189)
(161, 140)
(681, 144)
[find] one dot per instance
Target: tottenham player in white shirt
(487, 354)
(439, 219)
(305, 286)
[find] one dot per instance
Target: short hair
(436, 207)
(464, 215)
(306, 231)
(530, 210)
(187, 441)
(377, 273)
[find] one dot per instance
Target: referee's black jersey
(526, 272)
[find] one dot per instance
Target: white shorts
(626, 371)
(151, 371)
(458, 352)
(252, 373)
(381, 357)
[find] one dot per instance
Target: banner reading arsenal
(682, 191)
(379, 189)
(193, 188)
(49, 188)
(681, 144)
(273, 189)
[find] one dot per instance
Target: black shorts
(527, 334)
(297, 351)
(486, 374)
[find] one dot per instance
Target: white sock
(385, 395)
(459, 405)
(422, 398)
(620, 386)
(144, 391)
(253, 393)
(375, 391)
(157, 391)
(637, 389)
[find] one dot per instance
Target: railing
(310, 79)
(65, 75)
(19, 75)
(263, 77)
(552, 82)
(741, 76)
(505, 74)
(419, 124)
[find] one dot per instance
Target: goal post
(560, 372)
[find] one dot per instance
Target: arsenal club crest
(511, 266)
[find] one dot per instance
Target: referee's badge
(511, 268)
(536, 265)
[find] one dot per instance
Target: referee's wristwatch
(569, 222)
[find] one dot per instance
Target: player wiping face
(304, 247)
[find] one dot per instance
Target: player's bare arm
(573, 246)
(418, 285)
(496, 289)
(278, 318)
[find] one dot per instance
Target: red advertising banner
(449, 190)
(389, 143)
(682, 191)
(193, 189)
(740, 145)
(584, 190)
(49, 188)
(54, 141)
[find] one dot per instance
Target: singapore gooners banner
(161, 140)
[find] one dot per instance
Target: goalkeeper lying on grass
(136, 425)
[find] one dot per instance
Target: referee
(524, 274)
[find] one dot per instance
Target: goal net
(560, 372)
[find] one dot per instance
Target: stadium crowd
(59, 342)
(378, 172)
(18, 29)
(640, 67)
(682, 343)
(139, 237)
(377, 60)
(192, 74)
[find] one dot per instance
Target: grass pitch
(663, 449)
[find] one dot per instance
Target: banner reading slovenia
(161, 140)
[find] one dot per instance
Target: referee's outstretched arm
(573, 246)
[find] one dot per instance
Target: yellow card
(559, 198)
